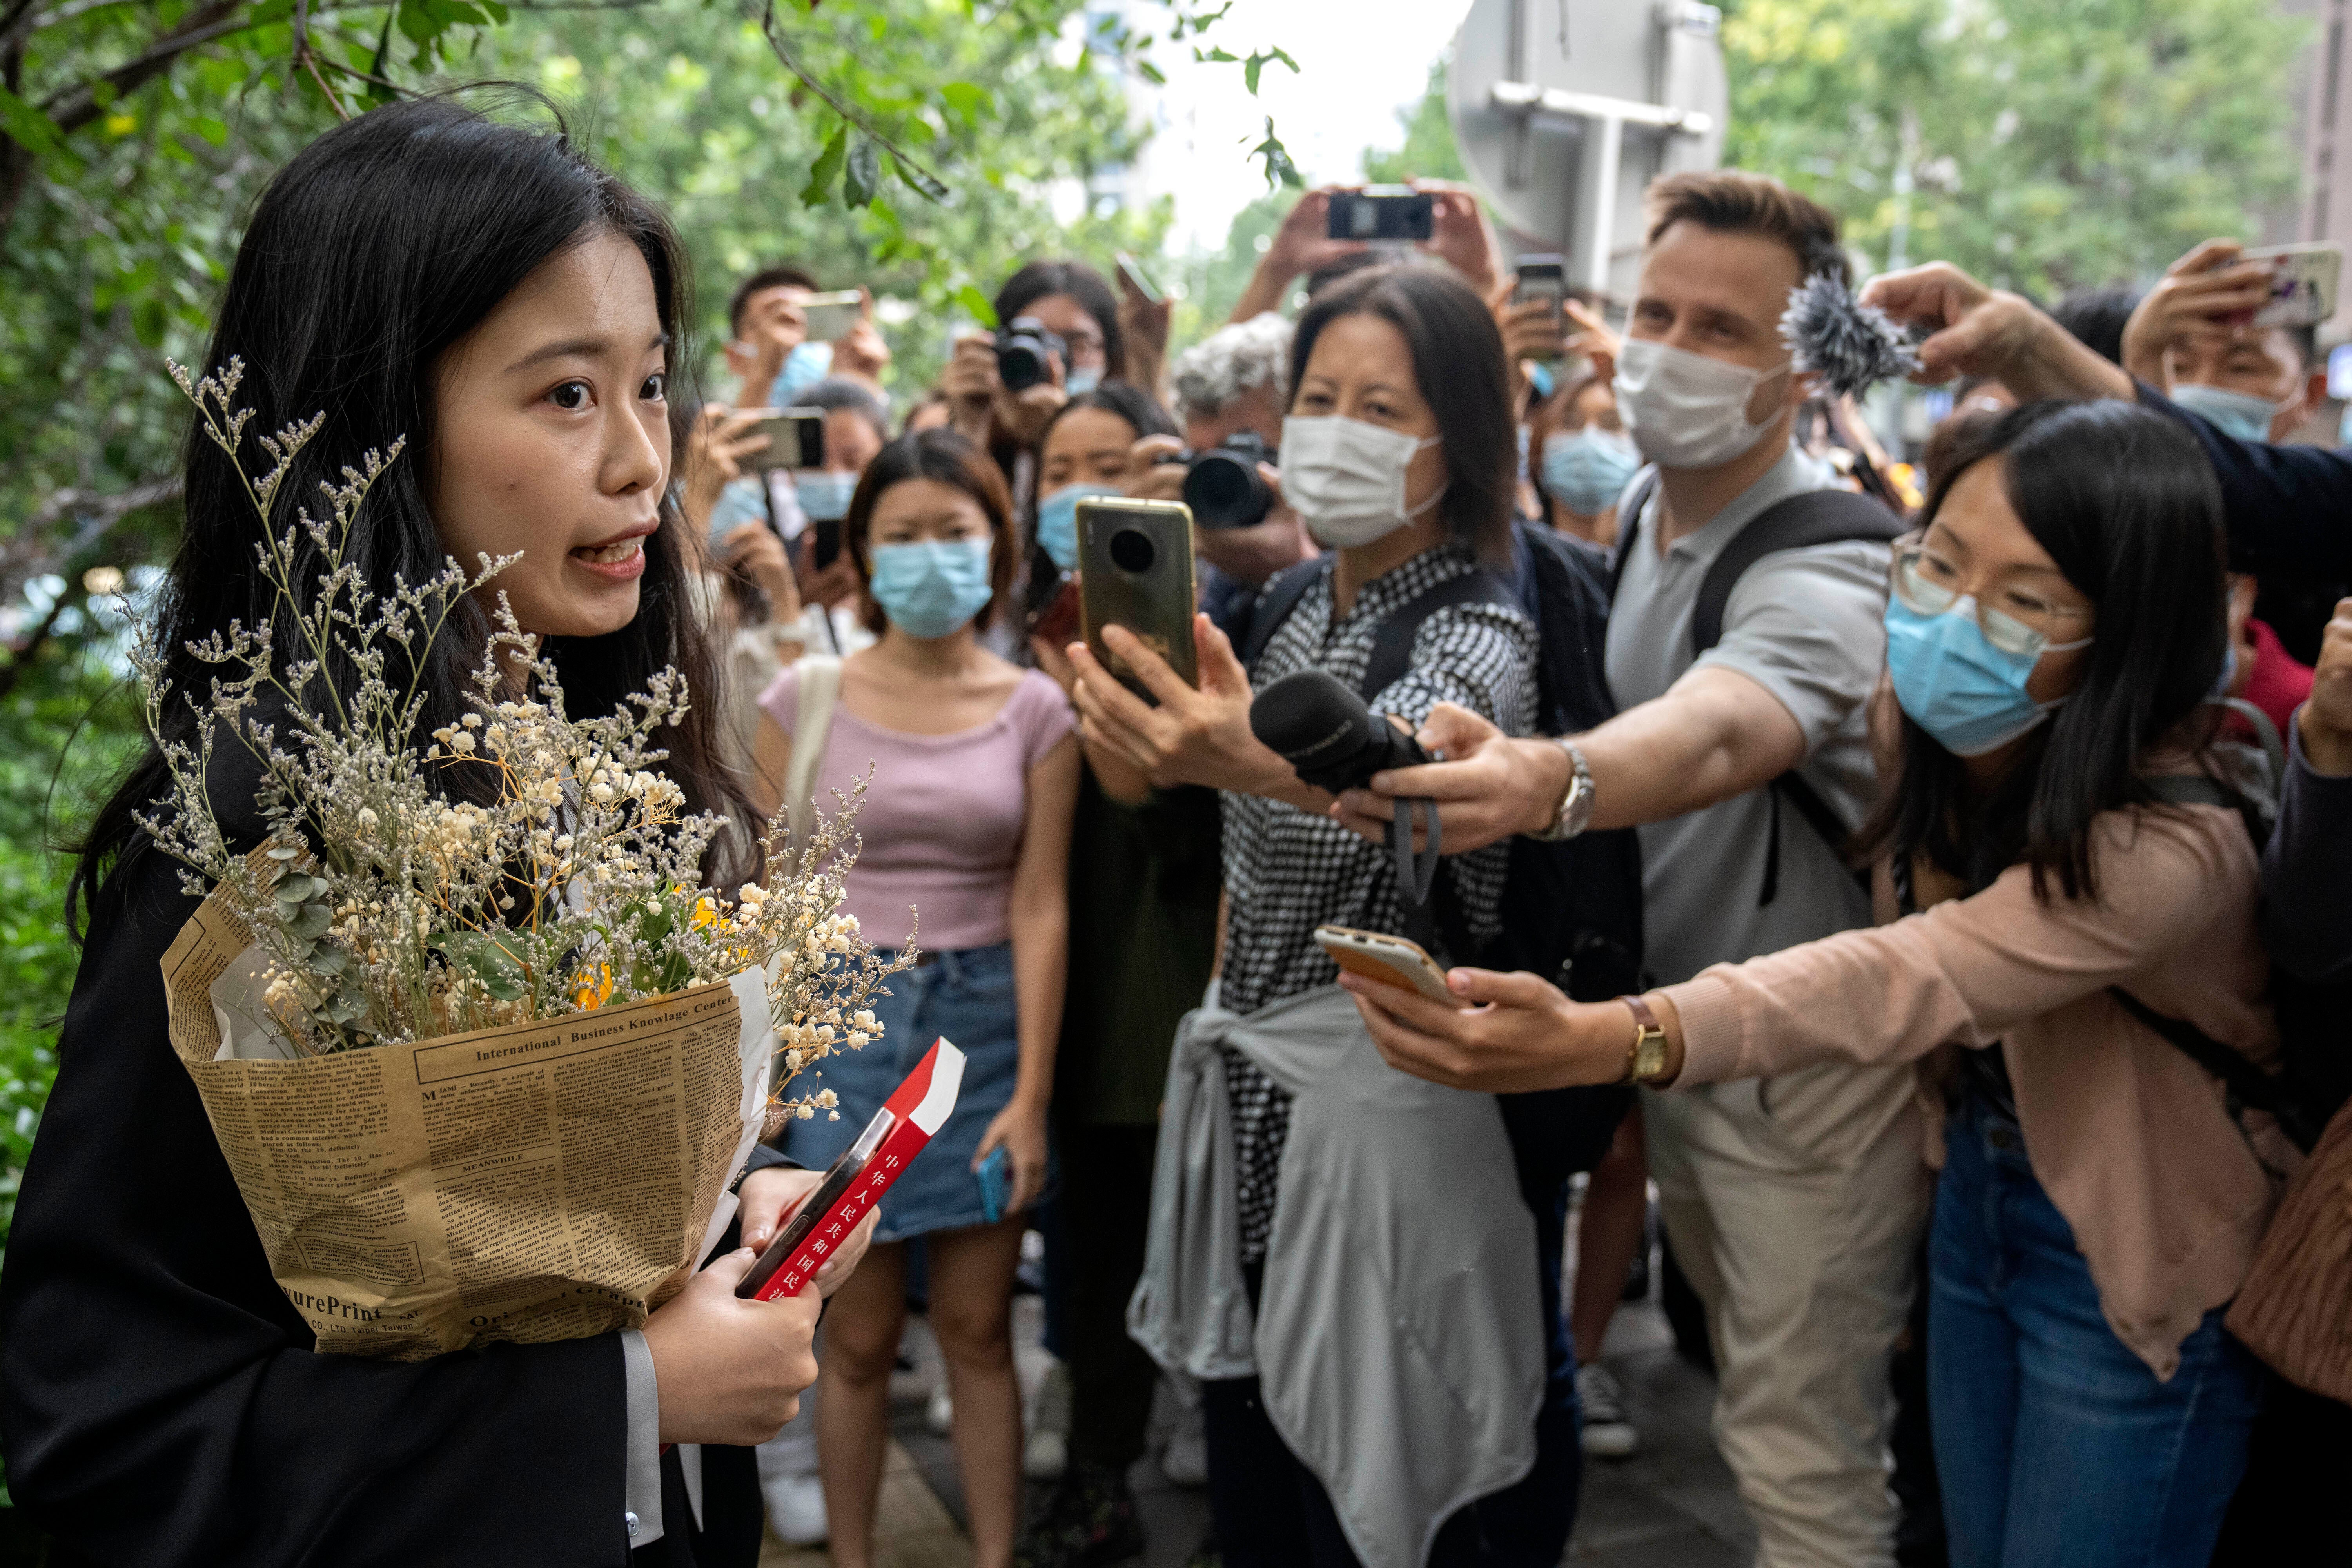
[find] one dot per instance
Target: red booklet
(914, 1110)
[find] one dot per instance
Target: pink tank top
(942, 818)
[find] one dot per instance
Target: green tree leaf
(826, 169)
(862, 173)
(28, 126)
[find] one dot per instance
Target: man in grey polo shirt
(1794, 1203)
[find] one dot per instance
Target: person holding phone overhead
(1306, 1199)
(974, 771)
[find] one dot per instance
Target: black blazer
(160, 1403)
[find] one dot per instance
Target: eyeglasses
(2025, 623)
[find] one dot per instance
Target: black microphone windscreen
(1311, 718)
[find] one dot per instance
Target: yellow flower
(706, 913)
(592, 991)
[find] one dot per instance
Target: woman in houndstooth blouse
(1398, 452)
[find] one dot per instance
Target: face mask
(1057, 521)
(1685, 410)
(825, 497)
(2229, 673)
(1079, 382)
(807, 364)
(2238, 413)
(932, 588)
(1969, 695)
(1346, 478)
(1588, 469)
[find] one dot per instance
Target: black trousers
(1106, 1202)
(1270, 1511)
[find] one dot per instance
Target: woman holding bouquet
(974, 767)
(514, 312)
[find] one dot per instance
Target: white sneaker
(1185, 1460)
(1047, 1454)
(1605, 1432)
(938, 1411)
(795, 1508)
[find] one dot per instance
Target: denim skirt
(967, 995)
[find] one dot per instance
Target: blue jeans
(2055, 1444)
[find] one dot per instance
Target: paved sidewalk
(1670, 1506)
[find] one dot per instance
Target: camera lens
(1131, 550)
(1223, 489)
(1019, 365)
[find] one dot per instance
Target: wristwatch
(1645, 1058)
(1576, 802)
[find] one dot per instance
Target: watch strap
(1645, 1057)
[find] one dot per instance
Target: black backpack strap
(1629, 527)
(1391, 653)
(2248, 1085)
(1282, 595)
(1817, 517)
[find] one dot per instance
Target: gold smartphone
(1392, 959)
(1134, 570)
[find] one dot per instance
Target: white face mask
(1685, 410)
(1345, 477)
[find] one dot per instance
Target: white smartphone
(830, 316)
(2303, 283)
(1392, 959)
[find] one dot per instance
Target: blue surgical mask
(1586, 471)
(1079, 382)
(1954, 684)
(824, 495)
(1057, 521)
(2239, 414)
(932, 588)
(807, 364)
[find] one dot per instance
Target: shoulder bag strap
(819, 678)
(1282, 596)
(1817, 517)
(1392, 640)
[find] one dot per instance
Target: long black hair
(1458, 366)
(2127, 507)
(372, 252)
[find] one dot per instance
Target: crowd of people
(1888, 884)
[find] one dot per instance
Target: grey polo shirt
(1808, 627)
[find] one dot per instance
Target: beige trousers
(1795, 1204)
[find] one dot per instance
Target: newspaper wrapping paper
(546, 1180)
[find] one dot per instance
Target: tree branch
(931, 185)
(78, 106)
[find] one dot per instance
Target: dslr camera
(1222, 484)
(1021, 352)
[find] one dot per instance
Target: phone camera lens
(1131, 550)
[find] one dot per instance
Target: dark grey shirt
(2306, 868)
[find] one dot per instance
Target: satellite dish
(1565, 109)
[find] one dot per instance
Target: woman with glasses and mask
(2067, 862)
(1342, 1253)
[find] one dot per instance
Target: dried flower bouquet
(480, 1050)
(527, 865)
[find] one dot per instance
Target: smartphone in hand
(1134, 570)
(996, 1176)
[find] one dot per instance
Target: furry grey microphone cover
(1850, 345)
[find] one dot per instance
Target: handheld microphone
(1332, 740)
(1323, 729)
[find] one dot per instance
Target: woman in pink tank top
(974, 771)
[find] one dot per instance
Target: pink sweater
(2130, 1138)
